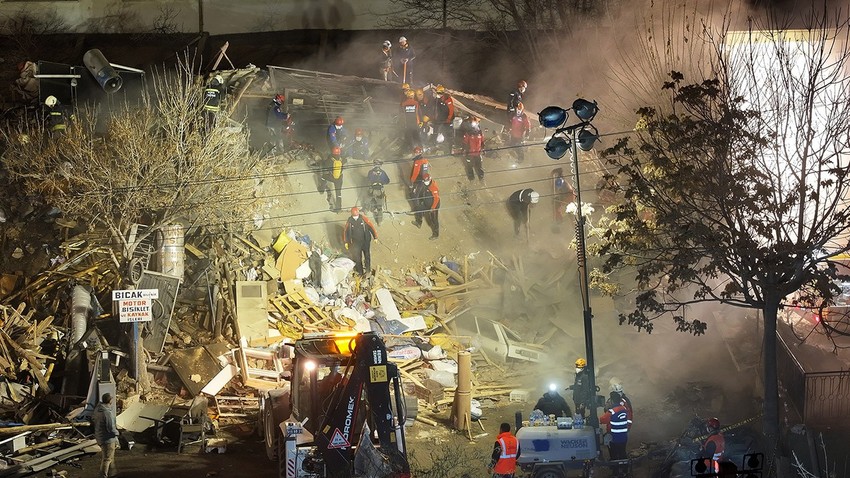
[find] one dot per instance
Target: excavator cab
(346, 410)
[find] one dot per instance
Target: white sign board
(135, 305)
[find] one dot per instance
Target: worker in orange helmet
(357, 235)
(421, 166)
(337, 134)
(520, 129)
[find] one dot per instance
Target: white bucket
(172, 256)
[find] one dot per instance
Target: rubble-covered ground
(528, 286)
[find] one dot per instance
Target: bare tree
(736, 185)
(527, 28)
(154, 163)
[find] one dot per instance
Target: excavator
(341, 413)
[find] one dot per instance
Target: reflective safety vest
(212, 99)
(57, 121)
(507, 458)
(620, 423)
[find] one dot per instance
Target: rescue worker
(279, 124)
(583, 396)
(515, 98)
(520, 129)
(616, 417)
(405, 87)
(617, 388)
(519, 204)
(426, 199)
(106, 435)
(213, 99)
(410, 121)
(714, 445)
(420, 166)
(55, 116)
(359, 148)
(444, 114)
(404, 60)
(473, 148)
(357, 235)
(337, 134)
(564, 195)
(376, 179)
(552, 403)
(385, 64)
(506, 451)
(426, 107)
(331, 174)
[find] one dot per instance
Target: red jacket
(474, 142)
(520, 126)
(420, 167)
(428, 196)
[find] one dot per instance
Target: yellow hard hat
(425, 119)
(440, 89)
(581, 363)
(408, 93)
(405, 86)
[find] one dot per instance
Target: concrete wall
(219, 16)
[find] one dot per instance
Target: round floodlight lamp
(552, 116)
(557, 147)
(586, 139)
(585, 110)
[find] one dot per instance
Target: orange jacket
(508, 454)
(420, 166)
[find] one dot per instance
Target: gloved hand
(346, 246)
(376, 240)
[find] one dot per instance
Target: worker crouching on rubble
(552, 403)
(506, 451)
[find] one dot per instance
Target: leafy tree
(154, 163)
(735, 189)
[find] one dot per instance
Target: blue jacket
(617, 419)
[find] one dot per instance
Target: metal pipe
(581, 261)
(80, 308)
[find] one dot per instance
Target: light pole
(582, 136)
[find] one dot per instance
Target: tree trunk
(773, 448)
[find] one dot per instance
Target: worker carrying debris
(519, 207)
(404, 60)
(444, 114)
(552, 403)
(385, 64)
(426, 203)
(357, 235)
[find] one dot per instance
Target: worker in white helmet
(385, 62)
(519, 205)
(404, 57)
(55, 116)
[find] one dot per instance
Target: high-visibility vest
(212, 99)
(507, 457)
(719, 446)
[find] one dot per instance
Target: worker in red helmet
(411, 121)
(426, 204)
(444, 115)
(617, 421)
(359, 148)
(280, 125)
(330, 177)
(515, 98)
(337, 135)
(520, 129)
(357, 235)
(714, 445)
(421, 166)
